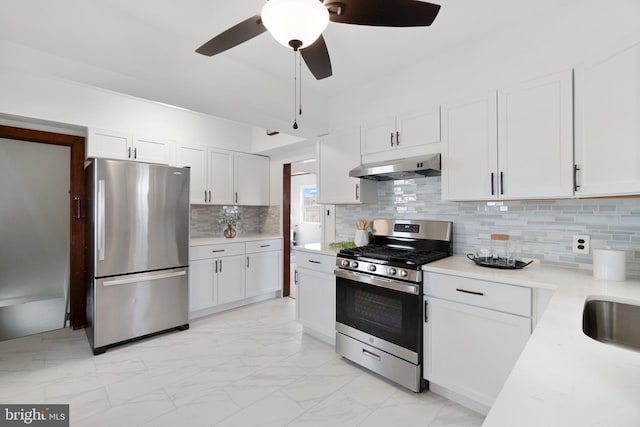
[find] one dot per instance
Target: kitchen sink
(612, 322)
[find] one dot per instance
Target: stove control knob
(371, 267)
(344, 263)
(354, 264)
(403, 273)
(391, 271)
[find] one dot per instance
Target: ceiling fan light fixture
(295, 23)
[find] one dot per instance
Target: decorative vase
(361, 238)
(229, 232)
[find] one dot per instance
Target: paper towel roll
(609, 264)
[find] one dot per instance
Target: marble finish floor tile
(251, 366)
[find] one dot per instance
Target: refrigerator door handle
(101, 222)
(143, 278)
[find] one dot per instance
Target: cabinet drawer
(315, 261)
(216, 251)
(264, 245)
(493, 295)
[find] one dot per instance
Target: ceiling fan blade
(382, 13)
(240, 33)
(317, 59)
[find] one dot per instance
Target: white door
(535, 138)
(607, 125)
(421, 128)
(317, 301)
(251, 179)
(263, 273)
(469, 149)
(195, 157)
(107, 144)
(220, 181)
(338, 153)
(378, 136)
(202, 293)
(231, 281)
(151, 150)
(472, 350)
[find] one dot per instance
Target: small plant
(230, 217)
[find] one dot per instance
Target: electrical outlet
(581, 244)
(194, 214)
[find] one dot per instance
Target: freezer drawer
(130, 306)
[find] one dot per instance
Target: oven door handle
(395, 285)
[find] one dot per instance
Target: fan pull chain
(295, 89)
(300, 74)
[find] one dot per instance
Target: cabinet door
(251, 179)
(220, 178)
(378, 136)
(263, 273)
(469, 149)
(195, 157)
(151, 150)
(316, 301)
(472, 350)
(231, 279)
(106, 144)
(607, 130)
(421, 128)
(535, 138)
(202, 292)
(338, 153)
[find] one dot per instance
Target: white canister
(361, 238)
(609, 264)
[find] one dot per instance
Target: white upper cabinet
(469, 149)
(222, 177)
(516, 146)
(402, 136)
(535, 138)
(108, 144)
(195, 157)
(338, 153)
(251, 183)
(607, 125)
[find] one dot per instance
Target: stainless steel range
(379, 297)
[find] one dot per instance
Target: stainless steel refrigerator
(138, 250)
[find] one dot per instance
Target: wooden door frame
(77, 222)
(286, 229)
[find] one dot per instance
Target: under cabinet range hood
(413, 167)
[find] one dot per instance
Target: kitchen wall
(540, 229)
(254, 220)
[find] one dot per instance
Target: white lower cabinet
(231, 280)
(263, 272)
(202, 284)
(227, 275)
(316, 294)
(473, 335)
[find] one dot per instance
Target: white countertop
(201, 241)
(318, 249)
(563, 378)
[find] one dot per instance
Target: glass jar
(501, 250)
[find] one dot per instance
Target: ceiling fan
(298, 24)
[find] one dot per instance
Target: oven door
(382, 312)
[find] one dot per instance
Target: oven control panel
(380, 270)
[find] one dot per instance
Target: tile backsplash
(540, 229)
(254, 220)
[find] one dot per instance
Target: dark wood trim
(77, 225)
(286, 229)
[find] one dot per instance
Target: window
(310, 208)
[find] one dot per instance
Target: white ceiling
(146, 48)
